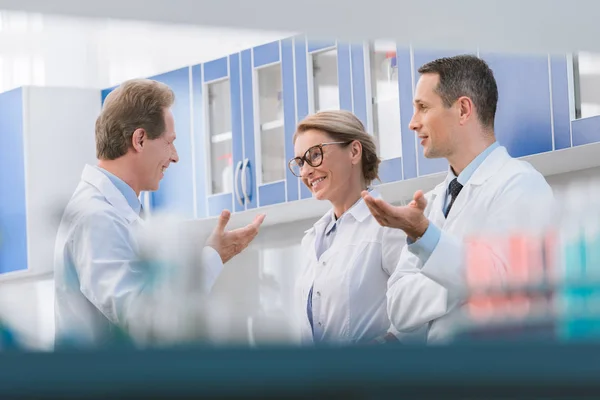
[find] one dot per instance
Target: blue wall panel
(301, 78)
(523, 118)
(219, 202)
(305, 192)
(13, 221)
(175, 194)
(405, 89)
(389, 170)
(272, 193)
(300, 51)
(248, 128)
(201, 161)
(344, 76)
(359, 91)
(216, 69)
(236, 116)
(317, 45)
(560, 102)
(289, 112)
(586, 130)
(266, 54)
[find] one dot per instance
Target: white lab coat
(99, 277)
(350, 278)
(503, 195)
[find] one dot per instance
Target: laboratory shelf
(465, 371)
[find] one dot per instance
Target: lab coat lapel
(465, 194)
(317, 231)
(436, 203)
(113, 195)
(491, 165)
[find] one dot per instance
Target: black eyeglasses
(313, 157)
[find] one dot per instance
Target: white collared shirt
(350, 278)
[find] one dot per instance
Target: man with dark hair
(485, 191)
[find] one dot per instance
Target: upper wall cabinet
(266, 128)
(524, 116)
(218, 110)
(39, 171)
(236, 116)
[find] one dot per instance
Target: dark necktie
(454, 188)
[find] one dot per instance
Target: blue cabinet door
(199, 139)
(405, 89)
(248, 178)
(235, 77)
(524, 116)
(264, 122)
(13, 221)
(221, 110)
(380, 111)
(359, 57)
(307, 52)
(176, 192)
(289, 114)
(301, 59)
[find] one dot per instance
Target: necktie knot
(454, 188)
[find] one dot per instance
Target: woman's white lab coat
(350, 278)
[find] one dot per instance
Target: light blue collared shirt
(125, 189)
(423, 247)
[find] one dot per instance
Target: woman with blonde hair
(349, 256)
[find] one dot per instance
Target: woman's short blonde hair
(344, 126)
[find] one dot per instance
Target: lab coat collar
(491, 165)
(487, 169)
(113, 195)
(358, 211)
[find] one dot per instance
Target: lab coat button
(318, 293)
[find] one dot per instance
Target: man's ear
(465, 107)
(138, 139)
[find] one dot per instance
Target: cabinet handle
(244, 186)
(235, 183)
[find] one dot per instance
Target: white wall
(58, 142)
(63, 51)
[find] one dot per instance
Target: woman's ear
(356, 151)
